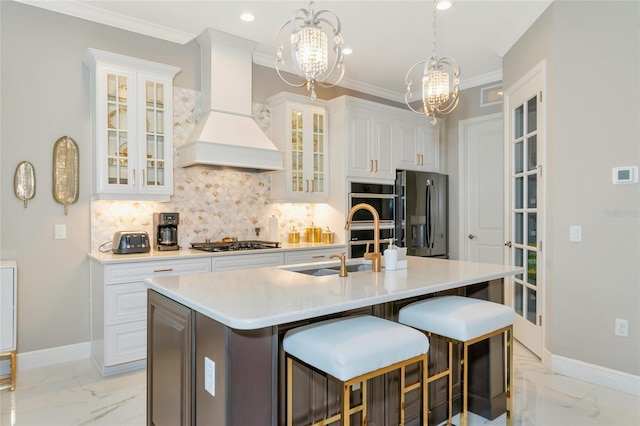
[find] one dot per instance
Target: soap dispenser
(391, 257)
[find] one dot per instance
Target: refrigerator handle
(429, 211)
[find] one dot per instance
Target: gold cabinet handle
(163, 270)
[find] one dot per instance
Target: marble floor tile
(74, 394)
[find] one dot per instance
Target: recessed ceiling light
(443, 5)
(247, 17)
(347, 51)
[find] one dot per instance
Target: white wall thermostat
(626, 174)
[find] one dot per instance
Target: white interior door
(524, 153)
(482, 176)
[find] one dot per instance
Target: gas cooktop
(234, 245)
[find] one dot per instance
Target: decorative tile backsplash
(212, 203)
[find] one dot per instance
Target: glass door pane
(318, 152)
(297, 144)
(524, 208)
(154, 131)
(117, 130)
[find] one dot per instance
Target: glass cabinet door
(299, 129)
(308, 151)
(132, 128)
(118, 160)
(154, 169)
(297, 148)
(318, 153)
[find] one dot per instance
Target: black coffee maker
(165, 231)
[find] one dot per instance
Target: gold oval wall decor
(66, 164)
(24, 182)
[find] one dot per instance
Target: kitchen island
(237, 319)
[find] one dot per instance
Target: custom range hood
(226, 135)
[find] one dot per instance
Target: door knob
(508, 244)
(471, 236)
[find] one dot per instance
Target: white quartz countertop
(262, 297)
(188, 253)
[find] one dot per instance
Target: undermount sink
(333, 270)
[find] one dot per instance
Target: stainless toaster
(125, 242)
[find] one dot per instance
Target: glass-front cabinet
(131, 118)
(299, 128)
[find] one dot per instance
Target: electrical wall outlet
(622, 327)
(210, 376)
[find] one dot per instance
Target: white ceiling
(387, 37)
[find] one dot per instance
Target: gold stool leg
(13, 370)
(509, 375)
(425, 390)
(289, 392)
(346, 405)
(364, 402)
(403, 385)
(464, 410)
(450, 385)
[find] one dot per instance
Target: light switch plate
(575, 233)
(60, 232)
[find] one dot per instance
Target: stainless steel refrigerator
(422, 223)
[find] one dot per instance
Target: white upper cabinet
(132, 127)
(368, 131)
(371, 134)
(418, 146)
(299, 128)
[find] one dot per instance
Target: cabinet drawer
(125, 303)
(138, 271)
(246, 261)
(127, 342)
(307, 256)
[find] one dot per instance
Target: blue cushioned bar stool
(352, 350)
(465, 321)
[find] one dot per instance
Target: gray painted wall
(591, 128)
(44, 98)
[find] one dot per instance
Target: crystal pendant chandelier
(440, 81)
(315, 47)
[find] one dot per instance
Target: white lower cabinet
(8, 299)
(119, 309)
(308, 256)
(245, 261)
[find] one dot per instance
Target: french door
(524, 156)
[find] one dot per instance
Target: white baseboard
(613, 379)
(50, 356)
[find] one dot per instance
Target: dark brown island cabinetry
(170, 362)
(249, 371)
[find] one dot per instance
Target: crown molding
(101, 16)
